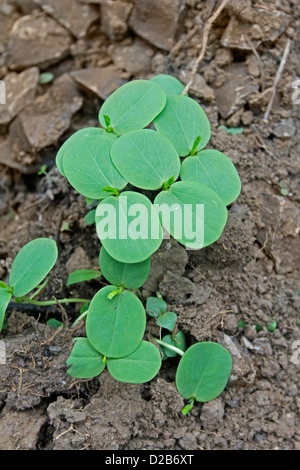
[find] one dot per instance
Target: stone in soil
(49, 116)
(114, 18)
(134, 58)
(234, 91)
(36, 40)
(100, 80)
(199, 88)
(157, 22)
(257, 25)
(279, 232)
(73, 15)
(20, 91)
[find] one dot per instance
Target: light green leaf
(203, 371)
(84, 360)
(167, 320)
(55, 323)
(81, 275)
(5, 297)
(155, 306)
(115, 327)
(170, 84)
(139, 367)
(182, 121)
(131, 276)
(213, 169)
(89, 168)
(128, 227)
(71, 141)
(45, 78)
(145, 159)
(192, 213)
(133, 106)
(31, 265)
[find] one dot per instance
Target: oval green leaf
(132, 106)
(139, 367)
(145, 159)
(213, 169)
(71, 141)
(192, 213)
(182, 121)
(203, 371)
(128, 227)
(155, 306)
(31, 265)
(81, 275)
(89, 168)
(115, 327)
(178, 341)
(84, 360)
(5, 297)
(170, 84)
(167, 320)
(131, 276)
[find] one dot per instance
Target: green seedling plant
(146, 159)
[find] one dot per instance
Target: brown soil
(249, 275)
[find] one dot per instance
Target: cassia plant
(148, 172)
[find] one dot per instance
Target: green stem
(39, 289)
(169, 346)
(51, 302)
(81, 317)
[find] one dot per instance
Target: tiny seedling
(147, 174)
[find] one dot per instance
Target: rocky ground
(230, 292)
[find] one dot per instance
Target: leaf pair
(157, 307)
(31, 265)
(138, 367)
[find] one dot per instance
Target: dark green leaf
(89, 218)
(167, 320)
(55, 323)
(131, 276)
(139, 367)
(31, 265)
(81, 275)
(115, 327)
(5, 297)
(84, 360)
(178, 341)
(203, 371)
(155, 306)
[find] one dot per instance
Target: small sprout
(155, 306)
(43, 170)
(90, 217)
(82, 275)
(232, 130)
(45, 78)
(65, 226)
(55, 323)
(167, 320)
(271, 327)
(107, 124)
(195, 145)
(188, 407)
(284, 189)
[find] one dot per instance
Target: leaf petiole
(169, 346)
(28, 300)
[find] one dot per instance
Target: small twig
(277, 78)
(206, 31)
(261, 65)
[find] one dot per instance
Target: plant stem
(169, 346)
(39, 289)
(52, 302)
